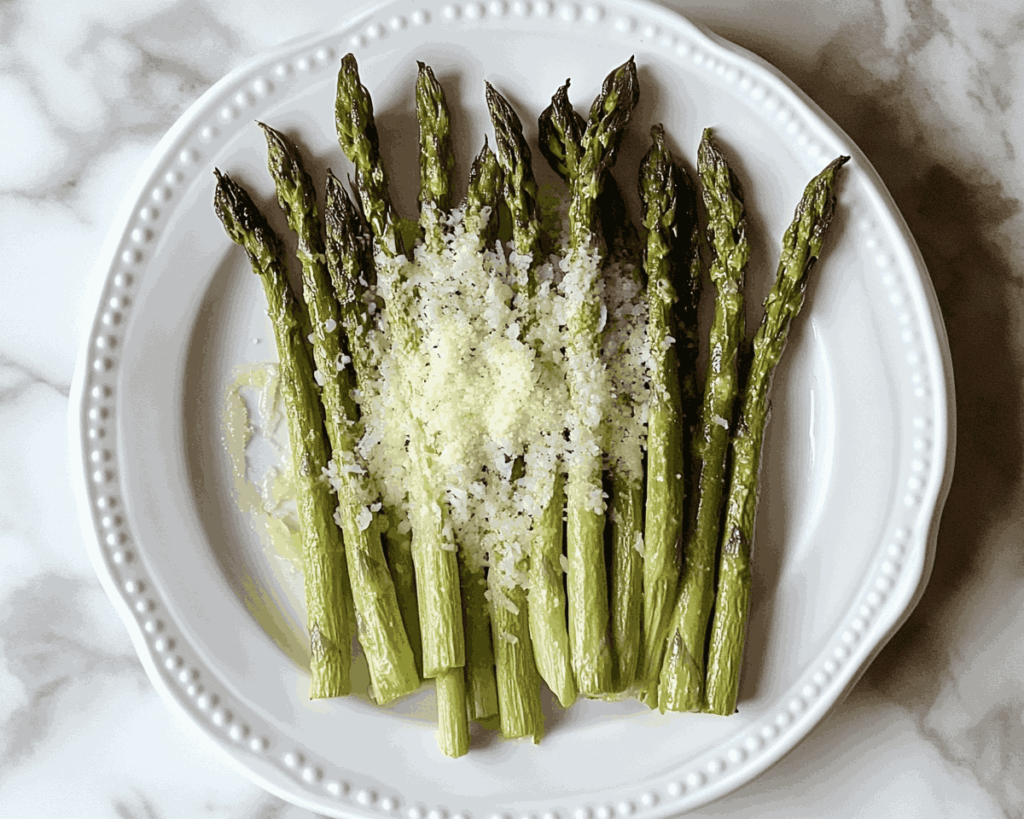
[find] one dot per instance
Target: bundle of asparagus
(450, 552)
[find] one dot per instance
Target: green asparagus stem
(561, 134)
(434, 556)
(669, 214)
(436, 164)
(398, 551)
(322, 549)
(587, 578)
(452, 725)
(801, 247)
(626, 566)
(481, 685)
(437, 158)
(485, 179)
(681, 685)
(548, 630)
(436, 563)
(357, 135)
(626, 569)
(349, 263)
(517, 675)
(381, 630)
(518, 680)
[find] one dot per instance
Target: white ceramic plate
(857, 461)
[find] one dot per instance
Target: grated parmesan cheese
(477, 381)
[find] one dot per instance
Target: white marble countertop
(925, 87)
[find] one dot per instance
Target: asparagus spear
(452, 707)
(669, 217)
(626, 565)
(517, 672)
(486, 181)
(681, 686)
(357, 135)
(481, 685)
(434, 555)
(587, 580)
(625, 582)
(546, 599)
(519, 188)
(437, 159)
(561, 134)
(326, 581)
(517, 676)
(801, 247)
(349, 264)
(381, 630)
(481, 691)
(480, 219)
(436, 564)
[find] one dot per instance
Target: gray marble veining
(926, 88)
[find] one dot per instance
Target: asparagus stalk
(561, 134)
(398, 552)
(349, 263)
(326, 582)
(548, 630)
(626, 566)
(480, 692)
(625, 584)
(486, 180)
(801, 247)
(669, 215)
(481, 685)
(587, 577)
(381, 630)
(681, 686)
(357, 135)
(482, 695)
(436, 164)
(517, 673)
(452, 724)
(437, 159)
(519, 188)
(434, 554)
(518, 679)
